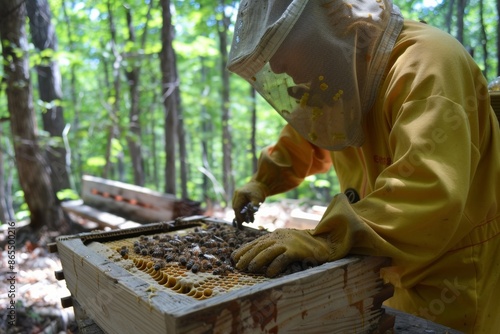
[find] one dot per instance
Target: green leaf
(65, 194)
(322, 184)
(96, 162)
(22, 215)
(47, 53)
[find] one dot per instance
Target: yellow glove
(331, 240)
(246, 201)
(279, 249)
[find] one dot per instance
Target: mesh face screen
(195, 261)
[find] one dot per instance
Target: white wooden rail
(121, 205)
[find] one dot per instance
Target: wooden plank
(401, 322)
(303, 220)
(306, 220)
(97, 285)
(103, 219)
(338, 295)
(137, 203)
(127, 192)
(335, 295)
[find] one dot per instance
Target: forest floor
(37, 293)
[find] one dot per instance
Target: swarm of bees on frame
(206, 249)
(195, 261)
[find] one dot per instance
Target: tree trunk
(115, 104)
(183, 158)
(253, 139)
(9, 177)
(152, 121)
(5, 212)
(206, 129)
(76, 164)
(134, 137)
(170, 84)
(135, 134)
(33, 170)
(227, 169)
(484, 38)
(449, 15)
(49, 86)
(461, 4)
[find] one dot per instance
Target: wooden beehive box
(128, 296)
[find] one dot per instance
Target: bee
(210, 243)
(182, 260)
(123, 251)
(232, 242)
(163, 238)
(176, 242)
(206, 265)
(158, 265)
(158, 252)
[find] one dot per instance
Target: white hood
(317, 62)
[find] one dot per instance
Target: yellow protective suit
(428, 175)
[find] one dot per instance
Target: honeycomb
(193, 261)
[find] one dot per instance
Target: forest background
(137, 91)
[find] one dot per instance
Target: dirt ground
(37, 293)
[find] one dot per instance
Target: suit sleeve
(286, 164)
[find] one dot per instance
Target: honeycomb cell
(164, 278)
(157, 276)
(207, 292)
(171, 282)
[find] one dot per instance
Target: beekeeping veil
(317, 62)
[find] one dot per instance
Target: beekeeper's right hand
(247, 199)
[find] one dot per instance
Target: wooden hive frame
(342, 296)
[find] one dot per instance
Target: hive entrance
(194, 261)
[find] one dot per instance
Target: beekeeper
(403, 113)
